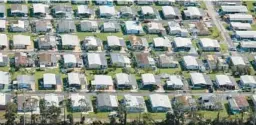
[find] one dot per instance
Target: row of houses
(132, 103)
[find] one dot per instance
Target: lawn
(250, 6)
(224, 47)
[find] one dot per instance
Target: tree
(43, 110)
(30, 102)
(71, 119)
(63, 104)
(53, 114)
(122, 114)
(10, 113)
(84, 106)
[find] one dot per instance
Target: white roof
(69, 58)
(208, 42)
(133, 101)
(4, 98)
(39, 8)
(155, 26)
(148, 78)
(238, 17)
(82, 8)
(51, 99)
(159, 100)
(161, 42)
(133, 25)
(223, 80)
(49, 79)
(169, 10)
(237, 60)
(246, 34)
(4, 39)
(234, 9)
(193, 11)
(4, 77)
(107, 10)
(248, 79)
(147, 10)
(122, 78)
(102, 80)
(198, 78)
(21, 40)
(239, 25)
(114, 41)
(113, 100)
(2, 24)
(182, 42)
(74, 78)
(68, 39)
(91, 41)
(20, 24)
(190, 61)
(174, 80)
(94, 58)
(75, 98)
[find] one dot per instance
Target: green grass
(253, 26)
(250, 6)
(224, 48)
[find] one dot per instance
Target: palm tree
(63, 104)
(31, 102)
(84, 106)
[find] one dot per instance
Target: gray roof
(119, 58)
(124, 79)
(69, 39)
(63, 8)
(126, 10)
(2, 9)
(47, 40)
(25, 79)
(81, 9)
(19, 8)
(67, 24)
(107, 100)
(97, 58)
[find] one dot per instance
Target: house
(200, 29)
(80, 103)
(138, 43)
(225, 82)
(127, 12)
(144, 60)
(5, 79)
(160, 103)
(170, 12)
(26, 82)
(69, 41)
(216, 63)
(174, 82)
(174, 28)
(66, 26)
(2, 11)
(208, 44)
(115, 43)
(237, 61)
(228, 2)
(133, 27)
(233, 9)
(62, 11)
(2, 25)
(253, 97)
(144, 2)
(246, 18)
(107, 11)
(185, 102)
(21, 41)
(181, 44)
(104, 2)
(23, 60)
(80, 1)
(4, 60)
(59, 1)
(84, 11)
(240, 26)
(155, 28)
(147, 12)
(188, 2)
(200, 80)
(20, 10)
(19, 26)
(42, 26)
(209, 102)
(53, 99)
(28, 104)
(149, 80)
(125, 81)
(124, 2)
(249, 46)
(193, 13)
(76, 80)
(110, 27)
(106, 102)
(51, 81)
(165, 2)
(248, 81)
(92, 43)
(245, 35)
(88, 26)
(4, 41)
(120, 60)
(190, 63)
(15, 1)
(102, 82)
(161, 43)
(72, 61)
(40, 10)
(238, 104)
(134, 104)
(5, 98)
(47, 60)
(165, 61)
(96, 61)
(47, 42)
